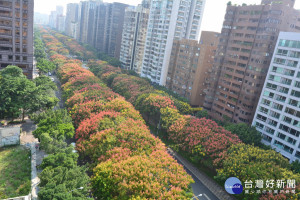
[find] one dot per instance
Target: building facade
(57, 19)
(16, 34)
(53, 19)
(277, 116)
(72, 18)
(102, 13)
(61, 23)
(134, 37)
(84, 18)
(246, 46)
(106, 28)
(115, 29)
(168, 21)
(190, 65)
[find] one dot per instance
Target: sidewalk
(37, 155)
(216, 189)
(34, 177)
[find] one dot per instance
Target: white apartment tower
(169, 20)
(134, 37)
(277, 116)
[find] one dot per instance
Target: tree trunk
(23, 115)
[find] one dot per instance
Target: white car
(52, 79)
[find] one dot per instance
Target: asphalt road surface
(201, 192)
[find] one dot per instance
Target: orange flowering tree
(156, 176)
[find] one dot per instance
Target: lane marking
(206, 196)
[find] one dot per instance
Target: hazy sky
(213, 13)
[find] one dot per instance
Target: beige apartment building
(16, 34)
(190, 66)
(246, 46)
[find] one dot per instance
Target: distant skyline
(212, 19)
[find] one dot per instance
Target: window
(268, 94)
(294, 103)
(269, 130)
(261, 117)
(272, 122)
(277, 106)
(292, 63)
(285, 81)
(295, 93)
(287, 119)
(297, 84)
(281, 135)
(267, 138)
(274, 114)
(277, 70)
(296, 123)
(259, 125)
(280, 98)
(283, 89)
(282, 52)
(263, 110)
(279, 61)
(266, 102)
(294, 54)
(291, 111)
(297, 154)
(271, 86)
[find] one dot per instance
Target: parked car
(52, 79)
(49, 74)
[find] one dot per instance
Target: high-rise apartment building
(53, 19)
(168, 21)
(87, 24)
(246, 46)
(16, 34)
(190, 65)
(57, 19)
(72, 18)
(102, 12)
(108, 27)
(85, 8)
(277, 115)
(134, 37)
(115, 29)
(60, 23)
(60, 10)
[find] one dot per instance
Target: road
(58, 93)
(201, 192)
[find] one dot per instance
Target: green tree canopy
(21, 95)
(15, 90)
(248, 134)
(44, 65)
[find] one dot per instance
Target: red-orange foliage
(203, 136)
